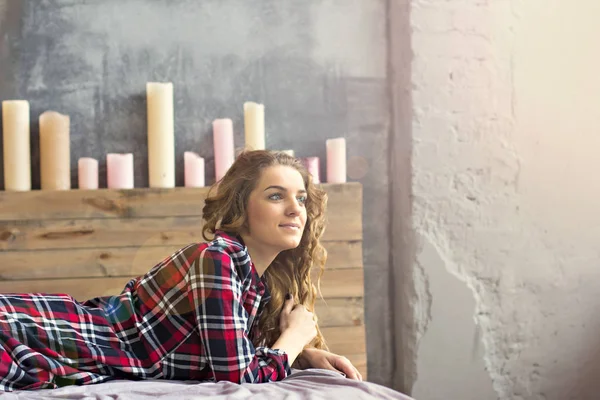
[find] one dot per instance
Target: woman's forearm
(290, 344)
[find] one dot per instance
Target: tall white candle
(336, 160)
(119, 171)
(161, 135)
(194, 169)
(254, 125)
(17, 159)
(87, 170)
(223, 146)
(55, 151)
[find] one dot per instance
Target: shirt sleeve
(216, 295)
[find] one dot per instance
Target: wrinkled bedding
(300, 385)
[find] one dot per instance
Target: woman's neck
(260, 256)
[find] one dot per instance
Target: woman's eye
(275, 196)
(302, 199)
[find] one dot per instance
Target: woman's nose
(294, 207)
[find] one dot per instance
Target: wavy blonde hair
(292, 270)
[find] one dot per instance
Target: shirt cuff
(280, 357)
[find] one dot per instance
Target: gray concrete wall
(319, 66)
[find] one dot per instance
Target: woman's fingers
(344, 365)
(288, 305)
(358, 375)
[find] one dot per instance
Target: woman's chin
(291, 243)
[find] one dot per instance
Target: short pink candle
(87, 173)
(312, 165)
(336, 160)
(224, 150)
(119, 171)
(194, 169)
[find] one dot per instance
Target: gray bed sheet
(301, 385)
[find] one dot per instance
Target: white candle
(194, 169)
(55, 151)
(119, 171)
(87, 169)
(16, 132)
(254, 125)
(336, 160)
(161, 135)
(223, 146)
(289, 152)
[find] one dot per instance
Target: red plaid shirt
(193, 316)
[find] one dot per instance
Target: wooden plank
(99, 233)
(344, 254)
(82, 263)
(344, 212)
(126, 261)
(349, 342)
(340, 312)
(342, 283)
(103, 233)
(346, 339)
(102, 203)
(333, 285)
(138, 202)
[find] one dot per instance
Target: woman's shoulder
(228, 249)
(226, 243)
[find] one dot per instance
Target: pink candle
(312, 165)
(336, 160)
(224, 150)
(119, 171)
(87, 173)
(194, 169)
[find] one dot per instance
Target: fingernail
(288, 296)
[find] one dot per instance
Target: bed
(301, 385)
(89, 243)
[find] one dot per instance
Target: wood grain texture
(127, 261)
(345, 339)
(140, 203)
(335, 284)
(39, 220)
(91, 243)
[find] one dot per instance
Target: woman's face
(276, 209)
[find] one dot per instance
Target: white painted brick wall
(506, 133)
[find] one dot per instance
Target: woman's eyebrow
(282, 189)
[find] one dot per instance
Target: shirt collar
(235, 241)
(237, 244)
(266, 296)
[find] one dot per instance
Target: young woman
(238, 307)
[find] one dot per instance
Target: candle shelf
(89, 243)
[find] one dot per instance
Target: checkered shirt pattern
(193, 316)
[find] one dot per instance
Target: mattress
(300, 385)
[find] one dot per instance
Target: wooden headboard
(89, 243)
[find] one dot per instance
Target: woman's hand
(298, 328)
(297, 320)
(317, 358)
